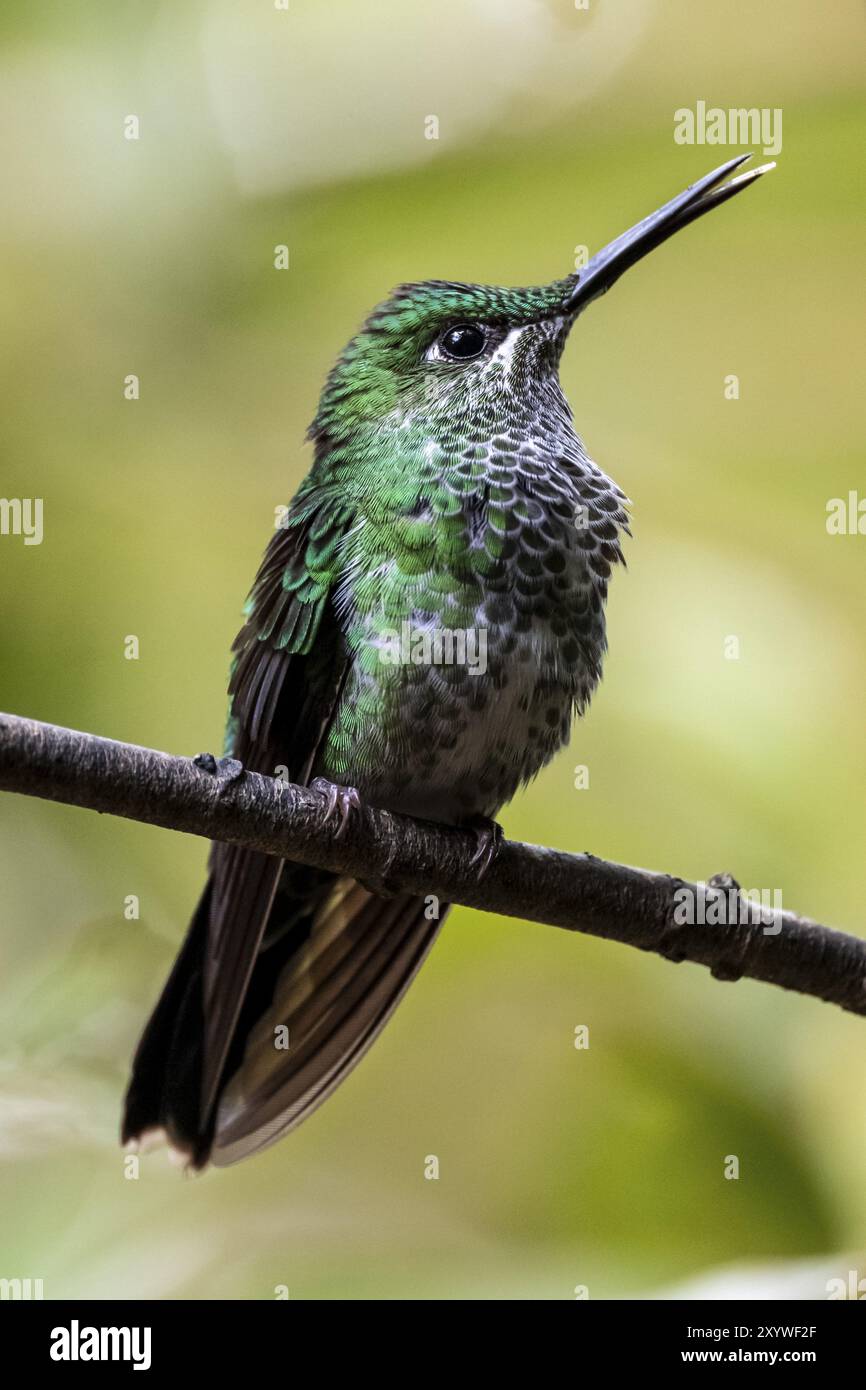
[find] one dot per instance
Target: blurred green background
(261, 127)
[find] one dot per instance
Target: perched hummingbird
(448, 492)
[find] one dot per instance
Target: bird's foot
(342, 801)
(488, 837)
(225, 770)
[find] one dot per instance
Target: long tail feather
(330, 1002)
(333, 963)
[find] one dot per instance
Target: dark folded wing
(287, 674)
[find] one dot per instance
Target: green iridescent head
(442, 347)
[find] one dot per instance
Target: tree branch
(575, 891)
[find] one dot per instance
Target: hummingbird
(449, 494)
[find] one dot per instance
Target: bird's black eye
(463, 341)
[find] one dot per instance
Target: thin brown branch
(575, 891)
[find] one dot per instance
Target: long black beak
(608, 265)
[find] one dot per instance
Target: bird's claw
(488, 837)
(225, 770)
(341, 800)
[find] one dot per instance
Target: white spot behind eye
(504, 352)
